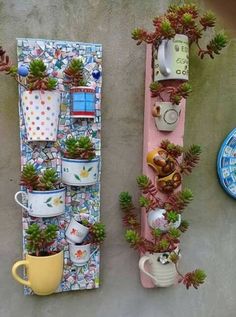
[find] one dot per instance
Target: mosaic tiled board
(82, 202)
(226, 164)
(151, 140)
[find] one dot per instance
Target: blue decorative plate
(226, 164)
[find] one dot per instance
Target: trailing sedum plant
(36, 76)
(40, 239)
(33, 180)
(160, 241)
(79, 148)
(184, 19)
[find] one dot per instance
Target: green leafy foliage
(125, 200)
(171, 216)
(29, 177)
(191, 158)
(74, 73)
(183, 225)
(79, 148)
(39, 239)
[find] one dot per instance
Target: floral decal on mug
(84, 173)
(54, 202)
(75, 232)
(80, 254)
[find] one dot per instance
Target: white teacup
(171, 59)
(80, 254)
(48, 203)
(76, 232)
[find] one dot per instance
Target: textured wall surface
(210, 241)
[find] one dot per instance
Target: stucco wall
(210, 240)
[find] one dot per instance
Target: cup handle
(141, 264)
(16, 276)
(156, 111)
(21, 192)
(162, 60)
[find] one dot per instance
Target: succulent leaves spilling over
(79, 148)
(161, 241)
(37, 79)
(190, 159)
(175, 93)
(74, 73)
(33, 180)
(39, 239)
(183, 19)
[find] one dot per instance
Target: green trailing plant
(175, 94)
(37, 77)
(33, 180)
(74, 73)
(79, 148)
(97, 232)
(191, 158)
(161, 241)
(184, 19)
(40, 239)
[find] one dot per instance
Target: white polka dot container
(48, 203)
(41, 111)
(80, 172)
(166, 116)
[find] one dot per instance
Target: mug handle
(21, 192)
(161, 56)
(156, 111)
(16, 276)
(141, 264)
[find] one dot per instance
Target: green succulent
(166, 29)
(172, 216)
(74, 73)
(49, 179)
(144, 202)
(39, 239)
(125, 200)
(186, 195)
(174, 233)
(183, 225)
(163, 245)
(132, 237)
(156, 233)
(98, 233)
(79, 148)
(143, 181)
(29, 177)
(194, 278)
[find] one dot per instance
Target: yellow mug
(44, 272)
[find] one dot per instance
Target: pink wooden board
(152, 139)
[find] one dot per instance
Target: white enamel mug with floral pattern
(49, 203)
(80, 254)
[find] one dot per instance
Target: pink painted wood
(152, 139)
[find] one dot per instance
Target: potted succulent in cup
(164, 161)
(45, 194)
(174, 31)
(80, 166)
(167, 113)
(82, 96)
(82, 237)
(44, 262)
(161, 252)
(40, 101)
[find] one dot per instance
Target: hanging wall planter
(44, 267)
(76, 232)
(41, 111)
(156, 220)
(44, 196)
(82, 97)
(80, 167)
